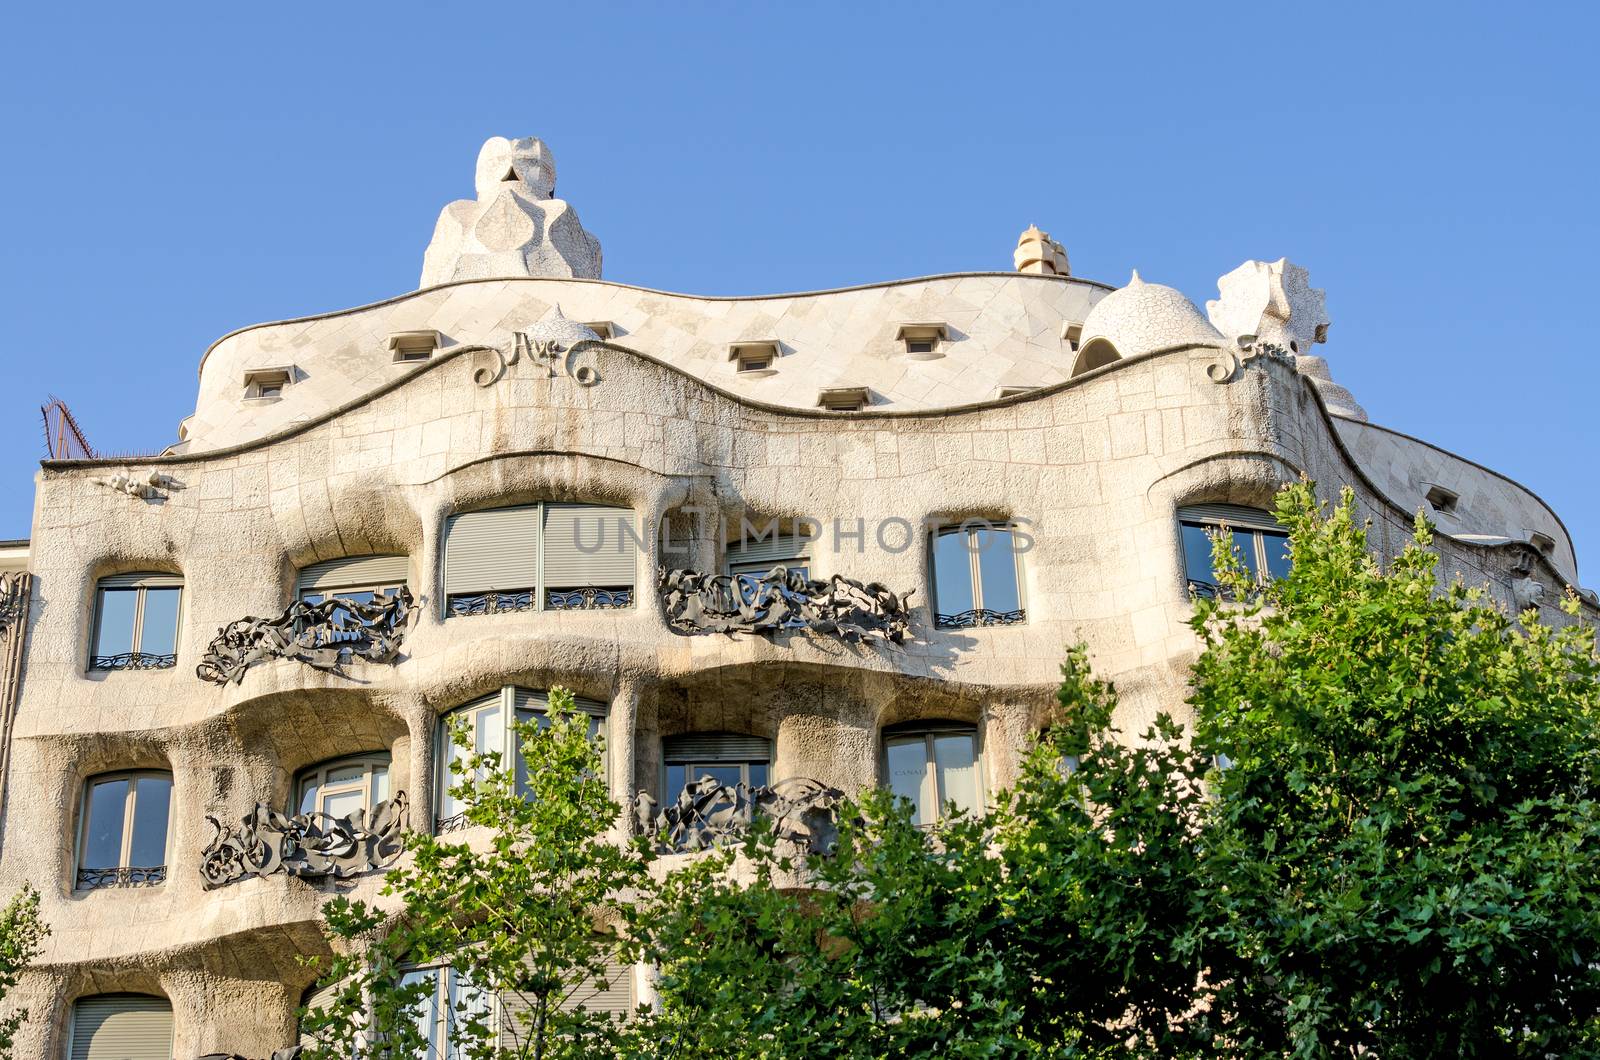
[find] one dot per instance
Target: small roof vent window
(603, 329)
(414, 345)
(1442, 501)
(1543, 542)
(267, 384)
(755, 356)
(923, 341)
(844, 398)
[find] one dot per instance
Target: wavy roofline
(646, 290)
(445, 357)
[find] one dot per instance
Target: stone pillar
(16, 593)
(214, 1013)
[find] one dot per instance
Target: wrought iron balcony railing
(588, 598)
(708, 813)
(307, 844)
(133, 660)
(324, 635)
(783, 599)
(979, 617)
(123, 876)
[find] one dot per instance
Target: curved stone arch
(1096, 353)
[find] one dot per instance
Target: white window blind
(121, 1027)
(1236, 516)
(716, 747)
(588, 544)
(353, 571)
(489, 550)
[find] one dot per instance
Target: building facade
(960, 475)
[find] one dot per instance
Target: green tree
(21, 935)
(1405, 847)
(516, 910)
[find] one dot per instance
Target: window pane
(345, 774)
(908, 770)
(997, 569)
(1197, 554)
(152, 800)
(159, 635)
(344, 803)
(116, 621)
(677, 778)
(955, 756)
(308, 797)
(1277, 548)
(467, 1004)
(426, 1011)
(952, 574)
(758, 774)
(731, 775)
(1244, 546)
(102, 839)
(489, 734)
(380, 784)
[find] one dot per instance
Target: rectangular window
(1261, 545)
(729, 758)
(935, 767)
(540, 557)
(123, 838)
(977, 576)
(136, 622)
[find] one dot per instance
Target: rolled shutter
(529, 699)
(716, 747)
(588, 544)
(353, 571)
(146, 579)
(781, 547)
(496, 549)
(616, 999)
(1236, 516)
(315, 998)
(122, 1027)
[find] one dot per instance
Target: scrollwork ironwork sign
(782, 599)
(321, 635)
(309, 844)
(708, 812)
(548, 354)
(1228, 363)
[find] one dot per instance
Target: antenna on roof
(63, 440)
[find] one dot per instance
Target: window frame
(607, 597)
(929, 730)
(1235, 518)
(984, 616)
(667, 760)
(504, 699)
(72, 1015)
(370, 760)
(147, 580)
(155, 874)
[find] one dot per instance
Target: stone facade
(361, 454)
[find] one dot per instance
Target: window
(728, 757)
(341, 787)
(757, 355)
(540, 557)
(1259, 541)
(1544, 543)
(603, 329)
(120, 1027)
(123, 838)
(922, 341)
(844, 398)
(760, 547)
(136, 622)
(1073, 335)
(359, 578)
(934, 765)
(1442, 501)
(412, 346)
(612, 995)
(267, 384)
(489, 721)
(448, 1000)
(977, 576)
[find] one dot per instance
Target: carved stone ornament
(545, 355)
(782, 599)
(155, 487)
(321, 635)
(310, 844)
(709, 812)
(1228, 363)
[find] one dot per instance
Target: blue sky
(172, 175)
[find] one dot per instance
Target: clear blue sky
(172, 175)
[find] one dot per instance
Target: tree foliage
(22, 933)
(1381, 839)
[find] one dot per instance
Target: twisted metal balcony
(979, 617)
(122, 876)
(133, 660)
